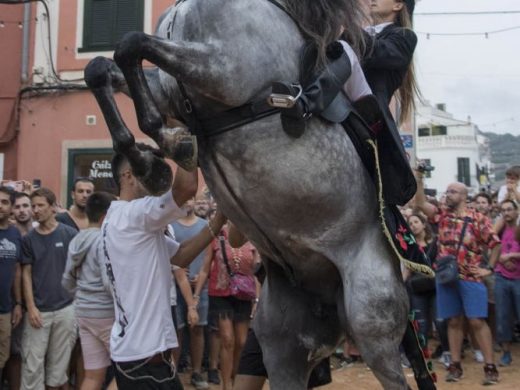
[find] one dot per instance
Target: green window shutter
(106, 21)
(129, 17)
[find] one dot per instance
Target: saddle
(317, 93)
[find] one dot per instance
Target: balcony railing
(450, 141)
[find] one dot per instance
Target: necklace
(237, 257)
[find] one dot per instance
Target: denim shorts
(462, 298)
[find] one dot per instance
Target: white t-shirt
(356, 86)
(173, 291)
(139, 253)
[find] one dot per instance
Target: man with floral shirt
(468, 296)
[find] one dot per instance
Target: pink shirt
(241, 260)
(509, 245)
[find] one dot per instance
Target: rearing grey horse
(307, 203)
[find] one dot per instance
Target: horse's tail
(414, 352)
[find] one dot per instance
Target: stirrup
(286, 96)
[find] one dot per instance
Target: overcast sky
(474, 76)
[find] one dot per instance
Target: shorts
(462, 298)
(251, 363)
(202, 310)
(46, 351)
(5, 338)
(94, 334)
(230, 307)
(146, 374)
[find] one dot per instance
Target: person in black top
(388, 68)
(75, 216)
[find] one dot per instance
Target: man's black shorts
(251, 363)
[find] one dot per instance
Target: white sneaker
(478, 356)
(445, 359)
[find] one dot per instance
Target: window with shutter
(463, 174)
(106, 21)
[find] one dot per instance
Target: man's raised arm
(420, 197)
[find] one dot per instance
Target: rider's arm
(390, 51)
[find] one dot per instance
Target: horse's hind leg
(294, 330)
(376, 309)
(99, 75)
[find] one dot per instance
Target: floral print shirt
(479, 237)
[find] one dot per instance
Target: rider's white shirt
(376, 29)
(140, 252)
(356, 86)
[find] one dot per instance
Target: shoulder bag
(447, 271)
(242, 286)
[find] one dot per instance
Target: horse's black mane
(322, 22)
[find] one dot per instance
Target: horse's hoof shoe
(180, 146)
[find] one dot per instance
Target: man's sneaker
(454, 372)
(490, 375)
(445, 359)
(213, 377)
(478, 356)
(198, 381)
(506, 359)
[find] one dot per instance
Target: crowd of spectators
(58, 296)
(482, 308)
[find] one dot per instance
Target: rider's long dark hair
(323, 21)
(408, 90)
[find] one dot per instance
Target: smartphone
(36, 183)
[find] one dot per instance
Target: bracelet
(196, 296)
(211, 231)
(18, 304)
(256, 300)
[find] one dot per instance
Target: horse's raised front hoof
(181, 146)
(97, 72)
(128, 50)
(153, 172)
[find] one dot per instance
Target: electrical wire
(458, 13)
(49, 54)
(484, 33)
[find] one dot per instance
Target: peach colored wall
(67, 33)
(48, 121)
(10, 81)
